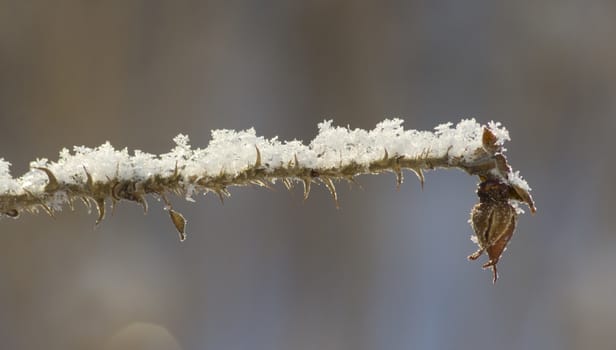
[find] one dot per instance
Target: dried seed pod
(493, 220)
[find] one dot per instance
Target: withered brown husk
(493, 220)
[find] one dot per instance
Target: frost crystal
(242, 157)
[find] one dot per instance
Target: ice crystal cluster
(105, 175)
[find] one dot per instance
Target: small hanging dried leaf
(179, 222)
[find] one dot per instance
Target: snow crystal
(7, 183)
(501, 133)
(516, 179)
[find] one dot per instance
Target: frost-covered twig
(241, 158)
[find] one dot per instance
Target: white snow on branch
(231, 152)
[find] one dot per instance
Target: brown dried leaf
(489, 141)
(179, 222)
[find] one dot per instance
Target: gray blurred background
(267, 271)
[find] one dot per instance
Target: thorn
(296, 165)
(268, 186)
(399, 177)
(287, 183)
(86, 202)
(71, 202)
(424, 154)
(386, 156)
(332, 189)
(41, 203)
(307, 182)
(262, 184)
(175, 171)
(113, 205)
(89, 181)
(222, 192)
(258, 161)
(420, 175)
(448, 149)
(167, 203)
(52, 184)
(179, 222)
(115, 190)
(47, 209)
(100, 206)
(352, 181)
(141, 200)
(398, 171)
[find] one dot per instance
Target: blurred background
(266, 270)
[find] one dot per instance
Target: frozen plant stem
(238, 158)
